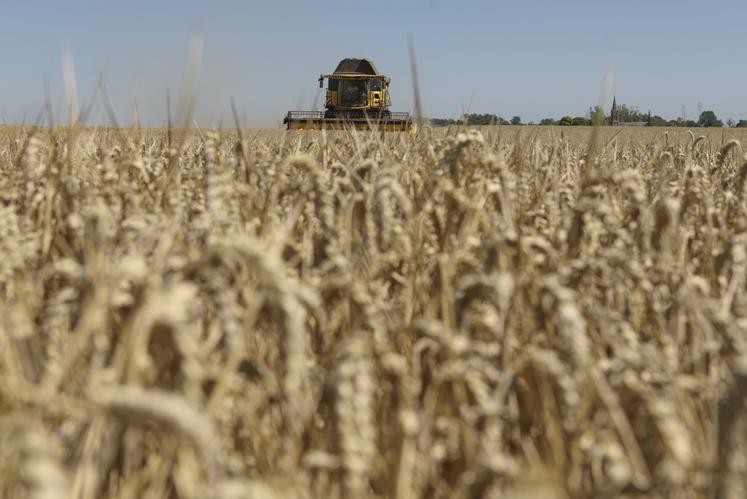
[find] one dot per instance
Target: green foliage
(682, 123)
(580, 121)
(741, 124)
(657, 120)
(709, 119)
(485, 119)
(472, 119)
(596, 115)
(626, 114)
(443, 122)
(630, 114)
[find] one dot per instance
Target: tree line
(625, 114)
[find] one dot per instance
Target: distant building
(614, 113)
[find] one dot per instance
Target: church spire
(614, 118)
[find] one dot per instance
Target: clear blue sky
(529, 58)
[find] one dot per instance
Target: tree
(443, 122)
(580, 121)
(630, 114)
(657, 120)
(548, 121)
(742, 124)
(565, 121)
(709, 119)
(485, 119)
(516, 120)
(683, 123)
(596, 115)
(730, 123)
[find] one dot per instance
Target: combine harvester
(357, 97)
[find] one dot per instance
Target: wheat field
(455, 313)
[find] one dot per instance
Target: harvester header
(357, 97)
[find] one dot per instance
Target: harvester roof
(359, 66)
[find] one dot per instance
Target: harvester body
(357, 97)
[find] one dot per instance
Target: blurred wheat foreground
(461, 313)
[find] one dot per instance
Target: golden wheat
(495, 312)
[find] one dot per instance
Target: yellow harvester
(357, 96)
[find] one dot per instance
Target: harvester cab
(357, 96)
